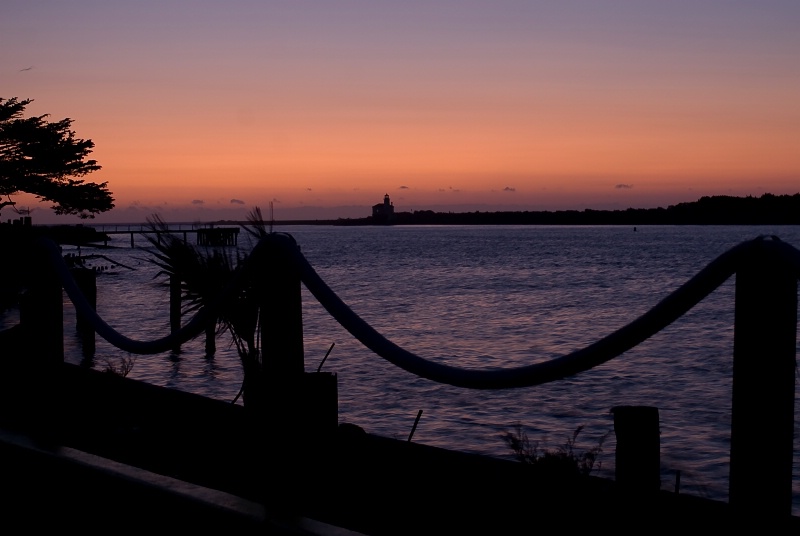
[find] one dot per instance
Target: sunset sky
(201, 110)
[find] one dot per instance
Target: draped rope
(661, 315)
(193, 328)
(664, 313)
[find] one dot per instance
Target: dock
(206, 234)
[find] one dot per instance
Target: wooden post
(42, 313)
(320, 408)
(638, 456)
(764, 362)
(281, 315)
(175, 307)
(211, 337)
(86, 280)
(283, 406)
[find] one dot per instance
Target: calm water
(488, 297)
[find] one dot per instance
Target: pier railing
(764, 356)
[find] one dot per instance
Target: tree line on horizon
(767, 209)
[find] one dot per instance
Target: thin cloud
(237, 202)
(136, 206)
(623, 186)
(197, 201)
(308, 189)
(509, 189)
(26, 69)
(404, 188)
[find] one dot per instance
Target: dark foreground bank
(91, 450)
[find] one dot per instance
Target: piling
(764, 364)
(211, 337)
(175, 306)
(281, 315)
(86, 279)
(41, 312)
(638, 455)
(299, 409)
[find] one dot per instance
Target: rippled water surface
(489, 297)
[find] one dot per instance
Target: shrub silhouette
(563, 461)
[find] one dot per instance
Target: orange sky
(203, 109)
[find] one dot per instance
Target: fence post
(638, 455)
(764, 361)
(41, 312)
(41, 315)
(86, 279)
(298, 408)
(281, 314)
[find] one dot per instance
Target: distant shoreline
(768, 209)
(717, 210)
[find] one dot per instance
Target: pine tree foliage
(45, 158)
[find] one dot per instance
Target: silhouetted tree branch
(45, 159)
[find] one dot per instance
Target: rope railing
(660, 316)
(764, 356)
(664, 313)
(193, 328)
